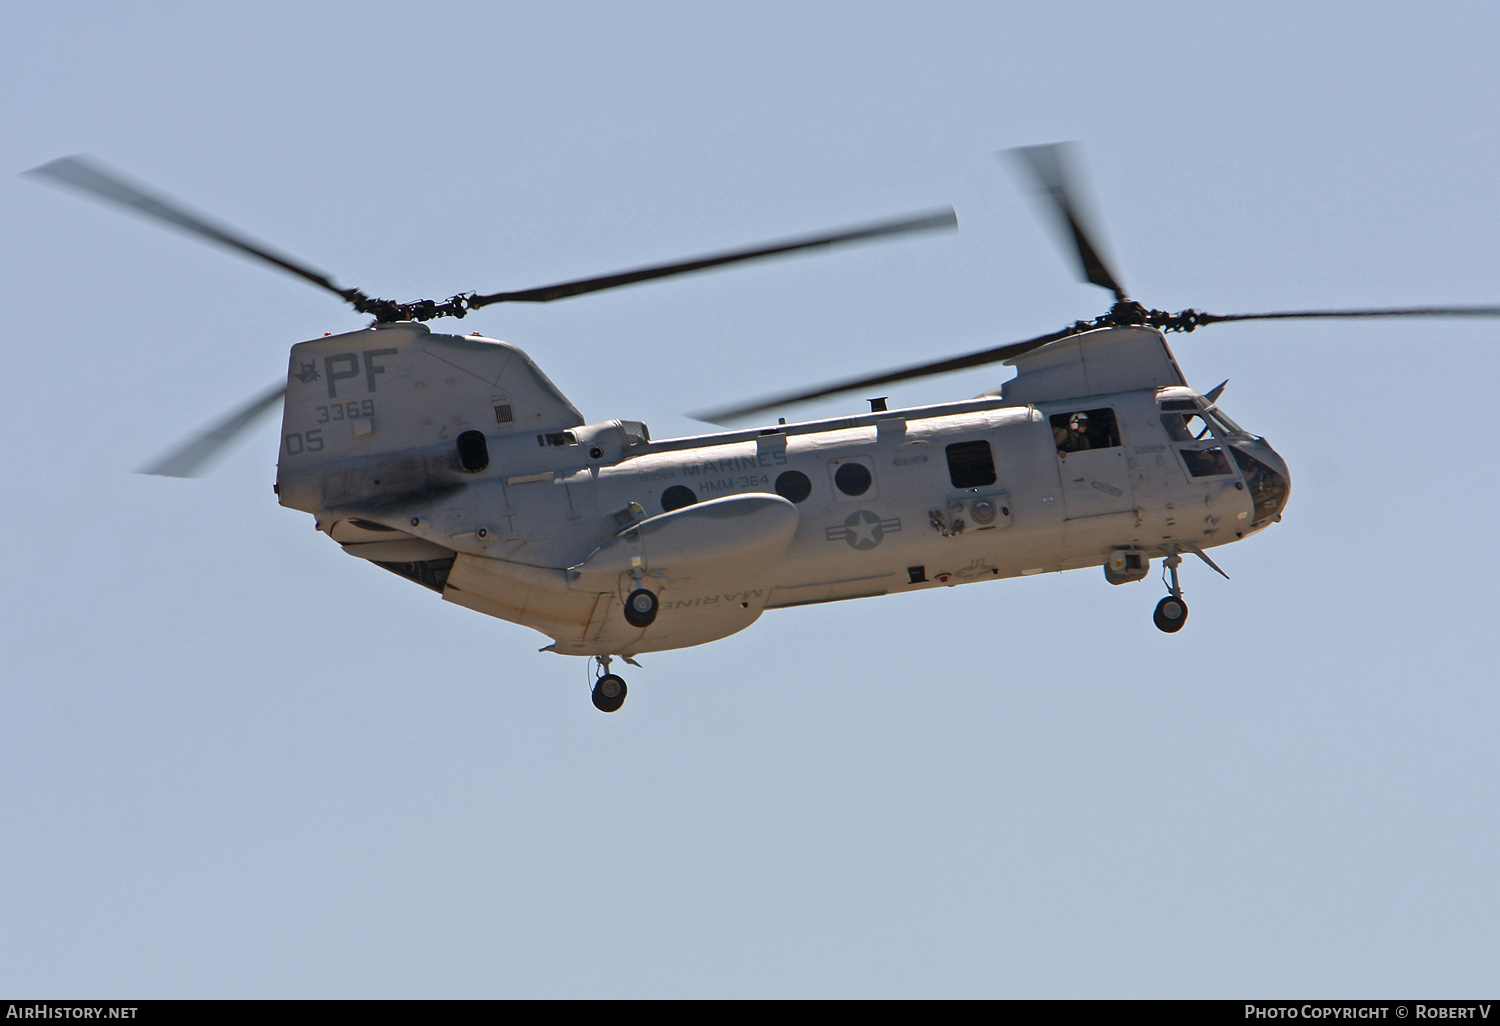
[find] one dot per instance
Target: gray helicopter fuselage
(453, 461)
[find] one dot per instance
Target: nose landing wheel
(1171, 612)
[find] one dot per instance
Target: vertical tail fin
(383, 408)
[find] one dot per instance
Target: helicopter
(453, 461)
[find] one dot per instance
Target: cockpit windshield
(1227, 428)
(1187, 421)
(1268, 488)
(1206, 440)
(1185, 427)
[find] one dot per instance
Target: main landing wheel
(609, 693)
(1171, 614)
(640, 608)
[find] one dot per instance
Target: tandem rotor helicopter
(453, 461)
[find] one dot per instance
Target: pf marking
(344, 366)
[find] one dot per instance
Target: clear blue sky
(236, 762)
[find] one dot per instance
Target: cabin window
(677, 497)
(473, 451)
(853, 478)
(794, 486)
(971, 464)
(557, 438)
(1082, 430)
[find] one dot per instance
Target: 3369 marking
(350, 410)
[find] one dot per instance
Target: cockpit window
(1267, 488)
(1085, 429)
(1206, 462)
(1226, 426)
(1185, 427)
(1190, 420)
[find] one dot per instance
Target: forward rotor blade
(87, 176)
(1050, 166)
(188, 459)
(936, 220)
(1416, 311)
(921, 370)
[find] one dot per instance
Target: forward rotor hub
(385, 311)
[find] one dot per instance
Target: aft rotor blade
(188, 459)
(87, 176)
(1050, 167)
(997, 355)
(934, 221)
(1292, 315)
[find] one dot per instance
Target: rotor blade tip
(171, 468)
(714, 417)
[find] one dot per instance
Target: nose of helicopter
(1267, 475)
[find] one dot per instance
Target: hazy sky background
(236, 762)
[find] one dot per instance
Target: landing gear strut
(609, 689)
(1171, 612)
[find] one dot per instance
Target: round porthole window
(677, 497)
(853, 478)
(793, 486)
